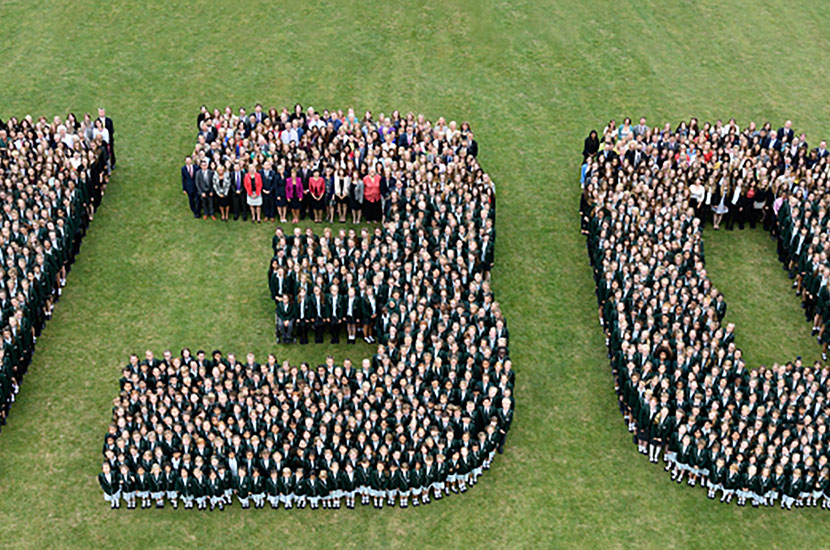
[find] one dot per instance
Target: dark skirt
(295, 203)
(279, 200)
(318, 204)
(223, 201)
(371, 210)
(354, 205)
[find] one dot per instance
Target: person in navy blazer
(269, 187)
(189, 186)
(786, 133)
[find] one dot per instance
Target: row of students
(53, 176)
(684, 391)
(217, 487)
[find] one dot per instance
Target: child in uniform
(111, 484)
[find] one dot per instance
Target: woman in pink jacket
(294, 194)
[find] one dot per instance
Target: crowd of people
(419, 420)
(52, 176)
(757, 436)
(412, 424)
(328, 166)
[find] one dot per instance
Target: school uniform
(244, 485)
(337, 313)
(196, 486)
(272, 491)
(304, 318)
(158, 485)
(286, 490)
(111, 485)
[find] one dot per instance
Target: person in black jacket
(111, 484)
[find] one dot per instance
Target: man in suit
(821, 150)
(189, 186)
(258, 116)
(786, 133)
(269, 187)
(204, 186)
(772, 141)
(641, 129)
(107, 122)
(238, 203)
(634, 155)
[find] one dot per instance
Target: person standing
(110, 482)
(107, 123)
(294, 194)
(356, 198)
(317, 188)
(253, 190)
(280, 202)
(269, 184)
(189, 186)
(371, 196)
(204, 186)
(237, 186)
(222, 187)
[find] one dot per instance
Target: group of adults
(757, 436)
(52, 176)
(419, 420)
(319, 166)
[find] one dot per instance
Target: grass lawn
(532, 77)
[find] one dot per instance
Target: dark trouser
(319, 331)
(112, 151)
(284, 331)
(207, 204)
(268, 208)
(195, 204)
(302, 330)
(238, 205)
(305, 204)
(334, 328)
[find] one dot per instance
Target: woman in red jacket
(371, 196)
(294, 194)
(253, 188)
(317, 188)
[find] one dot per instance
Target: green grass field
(532, 77)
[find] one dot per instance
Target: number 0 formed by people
(419, 420)
(684, 389)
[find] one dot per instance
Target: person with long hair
(294, 194)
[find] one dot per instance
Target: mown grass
(532, 77)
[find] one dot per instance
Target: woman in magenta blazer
(294, 194)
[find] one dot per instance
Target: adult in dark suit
(785, 134)
(189, 186)
(269, 187)
(204, 186)
(238, 202)
(107, 122)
